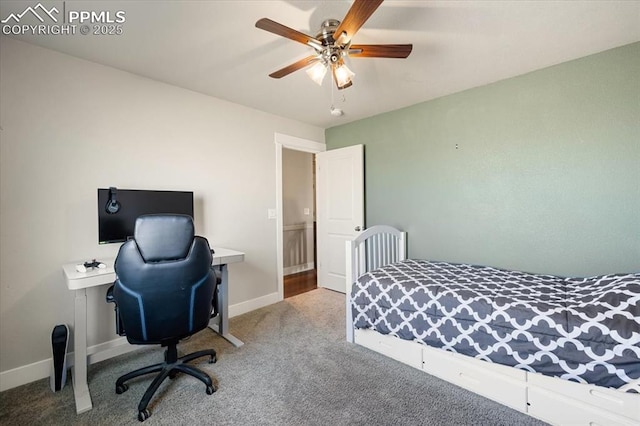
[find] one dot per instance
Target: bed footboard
(377, 246)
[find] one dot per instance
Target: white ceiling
(213, 47)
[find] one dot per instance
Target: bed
(563, 350)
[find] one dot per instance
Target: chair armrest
(218, 275)
(214, 303)
(110, 299)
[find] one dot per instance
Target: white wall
(70, 126)
(297, 195)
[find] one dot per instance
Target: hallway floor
(299, 283)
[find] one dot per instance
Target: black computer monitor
(118, 209)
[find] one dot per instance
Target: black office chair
(163, 293)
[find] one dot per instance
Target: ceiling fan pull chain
(336, 112)
(331, 86)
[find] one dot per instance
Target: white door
(340, 210)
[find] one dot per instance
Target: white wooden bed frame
(554, 400)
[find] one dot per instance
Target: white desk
(80, 281)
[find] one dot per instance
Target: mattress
(581, 329)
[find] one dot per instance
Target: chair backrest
(165, 283)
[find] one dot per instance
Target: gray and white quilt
(581, 329)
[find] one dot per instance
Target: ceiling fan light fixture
(333, 43)
(343, 75)
(317, 72)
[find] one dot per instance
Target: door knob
(357, 228)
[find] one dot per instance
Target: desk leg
(79, 371)
(222, 325)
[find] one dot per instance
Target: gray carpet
(294, 369)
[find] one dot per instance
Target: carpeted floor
(294, 369)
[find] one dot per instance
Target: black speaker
(113, 205)
(59, 342)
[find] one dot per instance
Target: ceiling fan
(333, 43)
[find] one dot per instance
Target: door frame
(296, 144)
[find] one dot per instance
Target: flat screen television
(118, 209)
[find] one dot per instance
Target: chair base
(169, 368)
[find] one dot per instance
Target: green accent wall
(540, 172)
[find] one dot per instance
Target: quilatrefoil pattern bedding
(581, 329)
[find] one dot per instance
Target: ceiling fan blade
(380, 50)
(360, 11)
(294, 67)
(284, 31)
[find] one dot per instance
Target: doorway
(299, 223)
(283, 142)
(340, 207)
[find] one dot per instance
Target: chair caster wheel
(213, 359)
(121, 388)
(144, 415)
(210, 390)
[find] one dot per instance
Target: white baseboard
(289, 270)
(39, 370)
(253, 304)
(25, 374)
